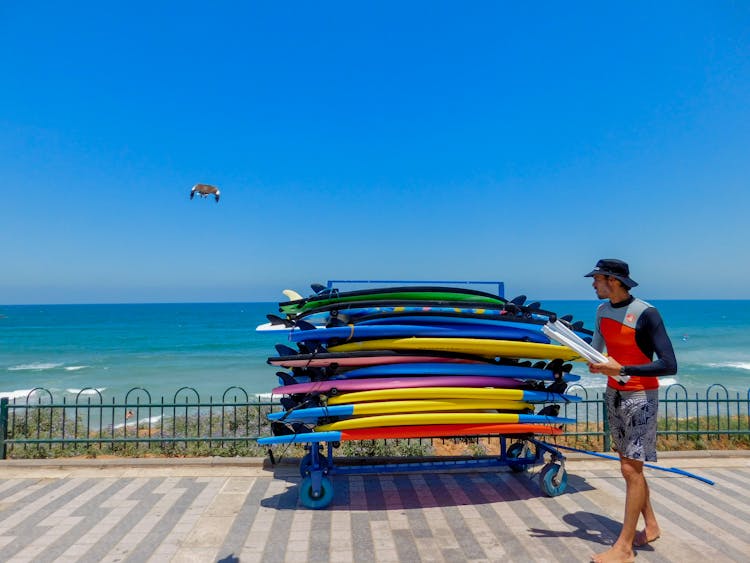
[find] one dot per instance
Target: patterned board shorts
(632, 422)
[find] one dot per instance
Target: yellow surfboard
(479, 346)
(408, 419)
(436, 405)
(474, 393)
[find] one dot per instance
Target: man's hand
(611, 367)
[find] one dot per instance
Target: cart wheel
(515, 451)
(553, 479)
(305, 465)
(309, 499)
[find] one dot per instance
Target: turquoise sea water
(211, 347)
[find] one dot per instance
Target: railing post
(607, 437)
(3, 426)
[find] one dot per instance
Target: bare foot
(614, 555)
(646, 536)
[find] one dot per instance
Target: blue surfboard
(330, 436)
(442, 368)
(360, 332)
(449, 321)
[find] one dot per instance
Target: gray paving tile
(478, 516)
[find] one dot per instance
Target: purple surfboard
(366, 384)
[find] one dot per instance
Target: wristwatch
(622, 372)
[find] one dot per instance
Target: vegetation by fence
(37, 425)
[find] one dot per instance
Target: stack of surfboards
(410, 362)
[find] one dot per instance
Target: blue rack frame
(316, 489)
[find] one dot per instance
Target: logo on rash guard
(629, 318)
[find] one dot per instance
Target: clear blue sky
(483, 140)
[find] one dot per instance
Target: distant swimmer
(204, 190)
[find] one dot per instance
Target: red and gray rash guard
(632, 332)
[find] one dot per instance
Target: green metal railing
(39, 424)
(713, 413)
(38, 420)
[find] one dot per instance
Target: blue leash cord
(650, 465)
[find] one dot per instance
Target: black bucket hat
(615, 268)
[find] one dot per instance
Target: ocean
(86, 350)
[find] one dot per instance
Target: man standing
(632, 331)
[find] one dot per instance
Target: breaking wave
(267, 397)
(134, 423)
(86, 391)
(36, 366)
(733, 365)
(16, 394)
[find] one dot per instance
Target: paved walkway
(240, 511)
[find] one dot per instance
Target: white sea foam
(133, 423)
(36, 366)
(598, 382)
(591, 382)
(734, 365)
(86, 391)
(75, 368)
(16, 394)
(267, 397)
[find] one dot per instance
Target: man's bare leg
(636, 497)
(651, 530)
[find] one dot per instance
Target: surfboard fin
(317, 287)
(292, 295)
(284, 350)
(304, 325)
(277, 320)
(550, 410)
(288, 404)
(285, 378)
(558, 385)
(284, 429)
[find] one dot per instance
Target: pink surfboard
(323, 360)
(374, 383)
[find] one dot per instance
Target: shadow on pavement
(418, 490)
(589, 527)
